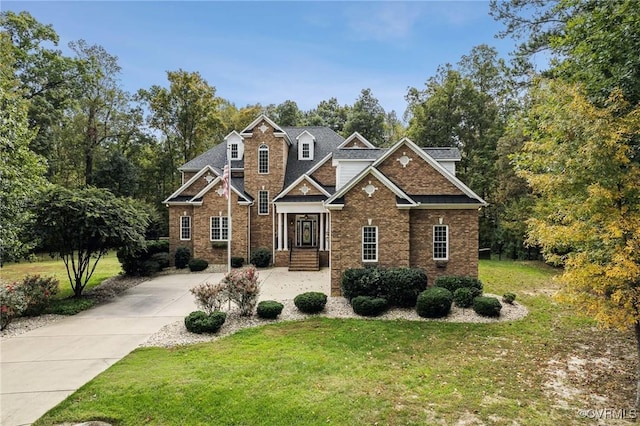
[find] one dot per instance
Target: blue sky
(268, 52)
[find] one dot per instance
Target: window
(306, 151)
(263, 159)
(185, 228)
(219, 228)
(234, 151)
(263, 202)
(369, 243)
(441, 242)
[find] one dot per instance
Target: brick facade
(405, 231)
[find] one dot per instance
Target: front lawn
(108, 267)
(540, 370)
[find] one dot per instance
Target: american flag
(225, 181)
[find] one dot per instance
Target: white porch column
(321, 231)
(280, 231)
(286, 231)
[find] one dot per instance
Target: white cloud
(384, 21)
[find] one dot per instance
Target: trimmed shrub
(269, 309)
(243, 289)
(133, 263)
(182, 257)
(197, 265)
(487, 306)
(508, 298)
(401, 286)
(210, 297)
(38, 292)
(361, 282)
(311, 302)
(261, 257)
(434, 302)
(12, 303)
(163, 259)
(199, 322)
(369, 306)
(452, 283)
(237, 262)
(463, 297)
(149, 268)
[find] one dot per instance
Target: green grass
(353, 371)
(107, 267)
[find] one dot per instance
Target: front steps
(304, 260)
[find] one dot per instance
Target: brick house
(317, 200)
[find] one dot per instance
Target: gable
(414, 175)
(356, 141)
(302, 187)
(325, 174)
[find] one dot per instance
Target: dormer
(306, 146)
(235, 145)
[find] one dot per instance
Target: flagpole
(229, 209)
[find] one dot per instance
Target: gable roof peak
(359, 137)
(233, 133)
(305, 131)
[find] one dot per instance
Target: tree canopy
(82, 225)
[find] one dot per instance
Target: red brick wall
(325, 174)
(418, 177)
(346, 230)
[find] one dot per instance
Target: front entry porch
(302, 240)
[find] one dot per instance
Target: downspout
(273, 236)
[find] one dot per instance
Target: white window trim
(237, 151)
(221, 228)
(306, 145)
(446, 227)
(182, 227)
(377, 244)
(263, 148)
(259, 200)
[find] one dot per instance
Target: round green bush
(199, 322)
(463, 297)
(508, 298)
(434, 302)
(487, 306)
(182, 257)
(162, 259)
(452, 283)
(261, 257)
(369, 306)
(311, 302)
(269, 309)
(196, 265)
(237, 262)
(149, 268)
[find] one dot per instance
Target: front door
(307, 228)
(306, 231)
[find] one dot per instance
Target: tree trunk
(637, 332)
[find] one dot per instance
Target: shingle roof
(444, 199)
(358, 154)
(443, 153)
(301, 198)
(326, 142)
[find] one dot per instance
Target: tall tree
(329, 113)
(186, 114)
(101, 113)
(288, 114)
(46, 77)
(21, 170)
(592, 42)
(367, 118)
(580, 162)
(82, 225)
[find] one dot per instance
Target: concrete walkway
(40, 368)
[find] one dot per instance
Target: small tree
(82, 225)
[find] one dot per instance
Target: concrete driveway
(40, 368)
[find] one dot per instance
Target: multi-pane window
(263, 159)
(306, 151)
(185, 228)
(234, 151)
(441, 242)
(369, 243)
(219, 228)
(263, 202)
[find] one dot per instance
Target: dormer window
(305, 145)
(234, 151)
(235, 146)
(306, 151)
(263, 159)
